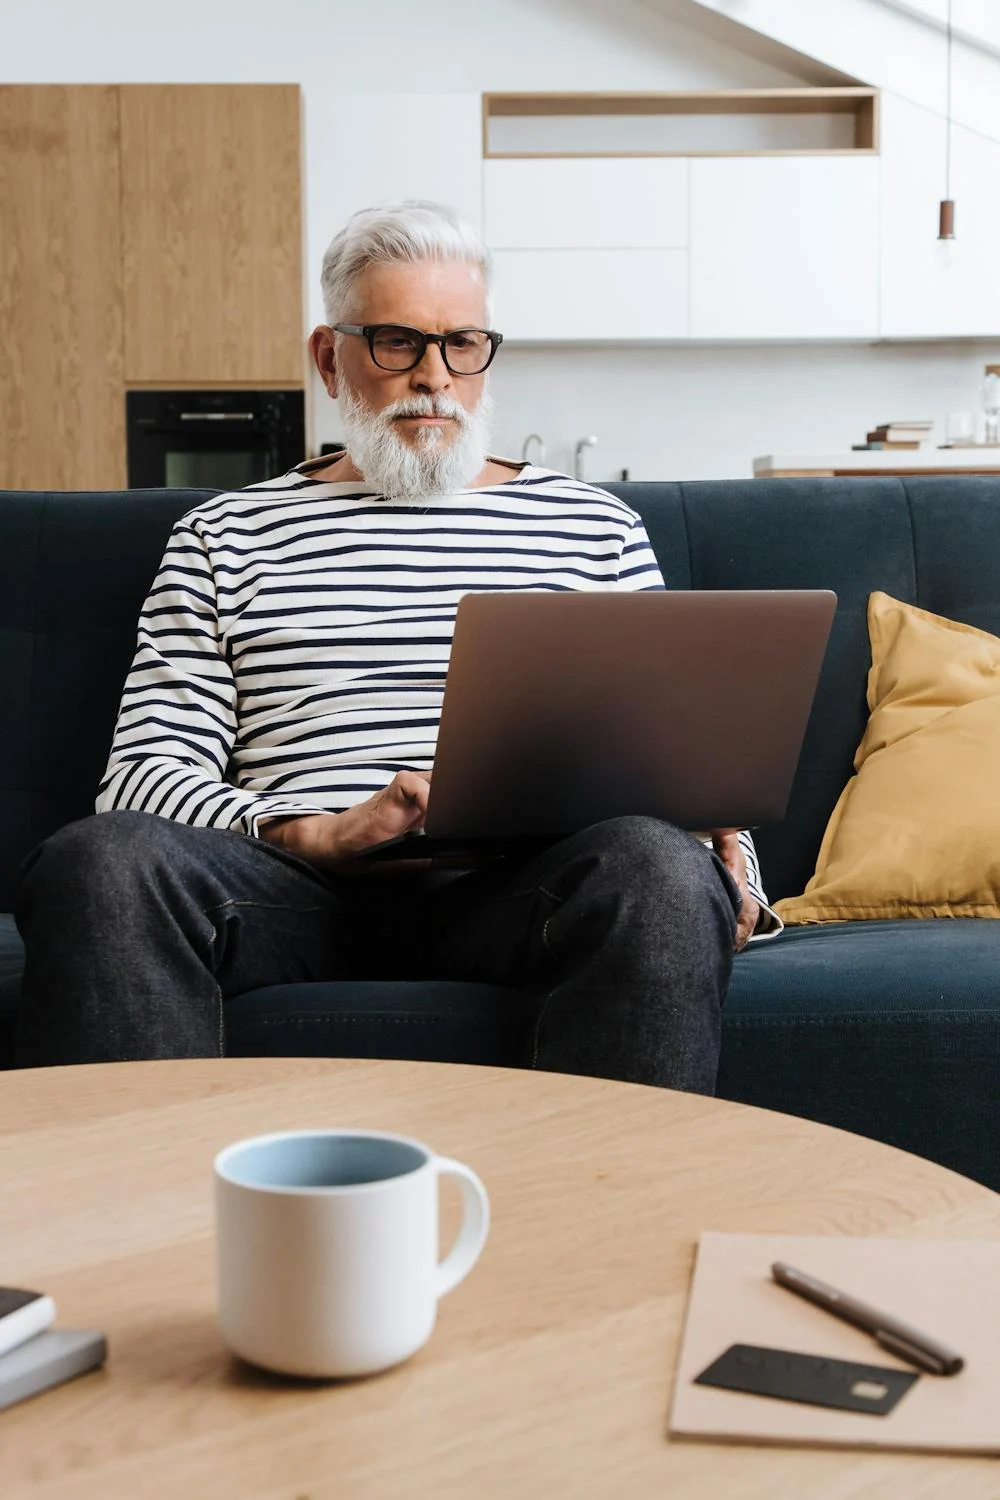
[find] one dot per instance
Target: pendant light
(947, 245)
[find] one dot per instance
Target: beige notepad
(948, 1289)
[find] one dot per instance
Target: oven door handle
(217, 416)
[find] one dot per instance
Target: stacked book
(896, 435)
(33, 1354)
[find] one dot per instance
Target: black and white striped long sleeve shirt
(292, 651)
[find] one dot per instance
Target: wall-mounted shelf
(727, 122)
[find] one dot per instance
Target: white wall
(704, 412)
(671, 412)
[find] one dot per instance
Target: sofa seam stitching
(903, 482)
(855, 1017)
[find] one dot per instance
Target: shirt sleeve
(769, 924)
(177, 721)
(638, 568)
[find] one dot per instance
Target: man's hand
(326, 839)
(725, 842)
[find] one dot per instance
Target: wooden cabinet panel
(212, 233)
(60, 296)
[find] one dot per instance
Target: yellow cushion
(916, 832)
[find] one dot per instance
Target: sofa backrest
(74, 571)
(75, 568)
(932, 541)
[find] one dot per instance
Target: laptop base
(419, 845)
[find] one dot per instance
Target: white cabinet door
(574, 295)
(920, 298)
(363, 149)
(593, 203)
(784, 247)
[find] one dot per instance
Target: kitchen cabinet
(579, 295)
(586, 204)
(757, 218)
(920, 297)
(61, 366)
(213, 265)
(152, 235)
(785, 248)
(778, 245)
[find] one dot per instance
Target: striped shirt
(293, 648)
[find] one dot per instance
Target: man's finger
(746, 922)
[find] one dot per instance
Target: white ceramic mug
(327, 1248)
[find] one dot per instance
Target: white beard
(431, 465)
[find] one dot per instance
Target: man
(281, 714)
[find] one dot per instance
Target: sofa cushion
(916, 831)
(427, 1021)
(432, 1021)
(890, 1029)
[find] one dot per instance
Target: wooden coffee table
(549, 1373)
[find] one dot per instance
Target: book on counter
(901, 432)
(895, 435)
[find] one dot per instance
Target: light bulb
(946, 253)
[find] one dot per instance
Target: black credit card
(810, 1378)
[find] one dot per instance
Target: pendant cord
(947, 149)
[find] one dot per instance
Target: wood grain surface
(551, 1367)
(61, 350)
(212, 233)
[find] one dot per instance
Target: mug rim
(325, 1189)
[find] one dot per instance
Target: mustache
(437, 405)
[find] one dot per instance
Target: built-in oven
(213, 440)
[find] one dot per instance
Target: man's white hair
(403, 233)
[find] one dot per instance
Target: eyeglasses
(465, 351)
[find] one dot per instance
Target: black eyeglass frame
(368, 331)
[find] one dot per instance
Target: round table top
(551, 1367)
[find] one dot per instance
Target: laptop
(564, 709)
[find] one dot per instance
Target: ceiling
(731, 33)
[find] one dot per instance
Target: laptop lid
(564, 709)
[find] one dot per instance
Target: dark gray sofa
(890, 1029)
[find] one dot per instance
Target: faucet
(533, 437)
(587, 442)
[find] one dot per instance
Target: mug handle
(475, 1225)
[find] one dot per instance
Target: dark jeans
(137, 929)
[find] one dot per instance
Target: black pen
(899, 1338)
